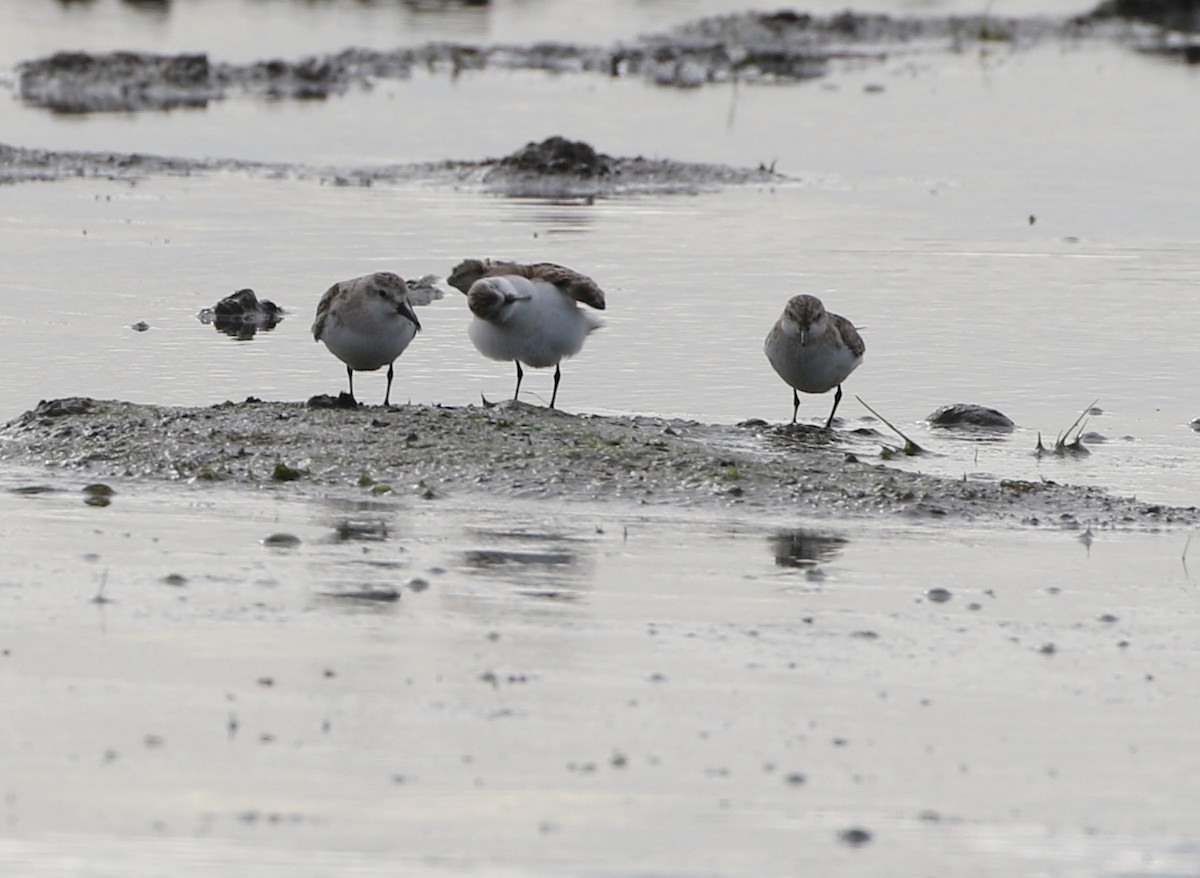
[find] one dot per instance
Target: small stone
(938, 595)
(854, 836)
(285, 473)
(969, 415)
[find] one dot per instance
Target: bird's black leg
(557, 377)
(520, 375)
(795, 404)
(350, 375)
(837, 397)
(387, 394)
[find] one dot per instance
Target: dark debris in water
(524, 451)
(376, 594)
(242, 315)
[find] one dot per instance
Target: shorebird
(813, 350)
(527, 313)
(367, 322)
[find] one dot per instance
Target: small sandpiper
(813, 350)
(367, 323)
(527, 313)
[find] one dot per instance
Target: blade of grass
(910, 447)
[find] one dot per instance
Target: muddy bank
(750, 47)
(516, 450)
(556, 167)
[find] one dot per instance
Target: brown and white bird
(528, 313)
(367, 322)
(813, 350)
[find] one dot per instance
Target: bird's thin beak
(406, 309)
(803, 336)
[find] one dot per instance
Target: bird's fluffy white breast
(539, 329)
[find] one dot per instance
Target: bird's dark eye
(382, 293)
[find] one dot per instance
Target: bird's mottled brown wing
(578, 286)
(849, 334)
(470, 270)
(318, 327)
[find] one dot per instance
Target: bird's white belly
(369, 344)
(813, 368)
(540, 332)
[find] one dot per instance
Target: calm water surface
(574, 689)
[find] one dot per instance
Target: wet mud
(774, 47)
(521, 451)
(551, 169)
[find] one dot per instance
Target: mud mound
(77, 82)
(517, 450)
(746, 47)
(535, 170)
(558, 155)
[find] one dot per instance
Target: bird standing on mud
(367, 322)
(527, 313)
(813, 350)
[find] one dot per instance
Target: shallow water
(598, 690)
(580, 688)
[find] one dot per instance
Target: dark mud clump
(1177, 15)
(516, 450)
(967, 415)
(521, 174)
(562, 168)
(77, 82)
(558, 155)
(242, 315)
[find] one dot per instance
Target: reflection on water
(359, 565)
(491, 558)
(553, 216)
(238, 328)
(540, 564)
(360, 530)
(805, 548)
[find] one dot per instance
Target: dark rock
(1179, 15)
(245, 304)
(242, 314)
(967, 415)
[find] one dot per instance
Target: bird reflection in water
(805, 548)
